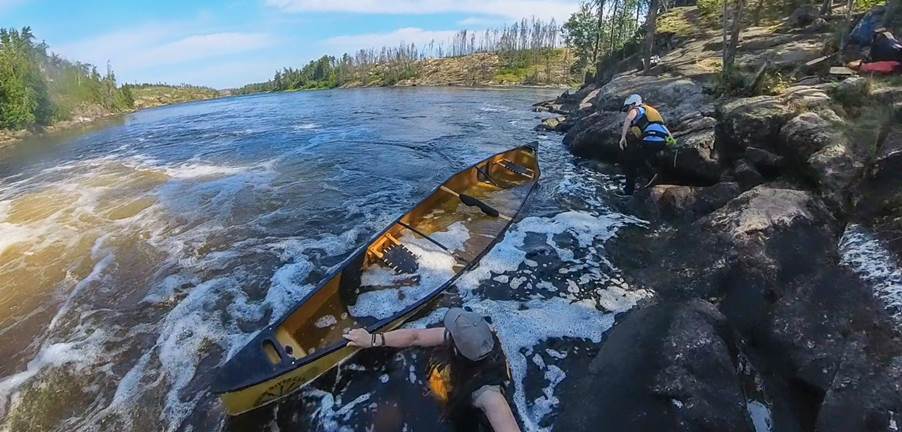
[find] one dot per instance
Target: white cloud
(197, 47)
(408, 35)
(511, 9)
(154, 45)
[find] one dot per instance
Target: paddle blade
(473, 202)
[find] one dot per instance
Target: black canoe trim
(380, 324)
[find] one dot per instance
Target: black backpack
(885, 47)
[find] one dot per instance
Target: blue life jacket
(651, 124)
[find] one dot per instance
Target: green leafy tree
(23, 92)
(581, 33)
(37, 87)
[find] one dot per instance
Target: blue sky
(227, 43)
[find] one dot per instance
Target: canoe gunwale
(310, 358)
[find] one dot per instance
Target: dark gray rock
(596, 136)
(879, 196)
(833, 339)
(694, 161)
(835, 169)
(758, 238)
(686, 203)
(765, 162)
(666, 366)
(804, 135)
(746, 175)
(754, 122)
(553, 124)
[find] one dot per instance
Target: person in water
(643, 135)
(468, 372)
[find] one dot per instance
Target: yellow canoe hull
(295, 350)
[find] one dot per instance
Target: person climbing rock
(467, 374)
(643, 135)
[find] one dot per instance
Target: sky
(229, 43)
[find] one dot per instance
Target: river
(134, 259)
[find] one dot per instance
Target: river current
(136, 258)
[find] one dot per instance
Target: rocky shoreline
(753, 307)
(12, 137)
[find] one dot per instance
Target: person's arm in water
(397, 338)
(630, 116)
(496, 409)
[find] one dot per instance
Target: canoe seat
(516, 168)
(400, 259)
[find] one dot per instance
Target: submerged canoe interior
(369, 291)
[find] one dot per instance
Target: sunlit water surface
(135, 259)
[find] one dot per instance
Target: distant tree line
(175, 86)
(521, 44)
(38, 87)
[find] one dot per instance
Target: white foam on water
(555, 354)
(200, 170)
(287, 288)
(80, 353)
(507, 255)
(761, 416)
(331, 414)
(487, 107)
(866, 255)
(522, 326)
(454, 237)
(545, 404)
(306, 126)
(326, 321)
(436, 267)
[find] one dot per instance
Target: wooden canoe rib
(405, 266)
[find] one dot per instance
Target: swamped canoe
(384, 283)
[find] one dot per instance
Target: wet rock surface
(686, 203)
(742, 253)
(689, 383)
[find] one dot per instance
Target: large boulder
(836, 169)
(687, 203)
(694, 159)
(830, 356)
(596, 136)
(831, 337)
(881, 190)
(667, 366)
(746, 248)
(750, 122)
(880, 194)
(804, 135)
(673, 96)
(815, 142)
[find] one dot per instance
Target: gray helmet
(631, 101)
(471, 334)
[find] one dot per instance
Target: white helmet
(631, 101)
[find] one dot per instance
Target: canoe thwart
(435, 242)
